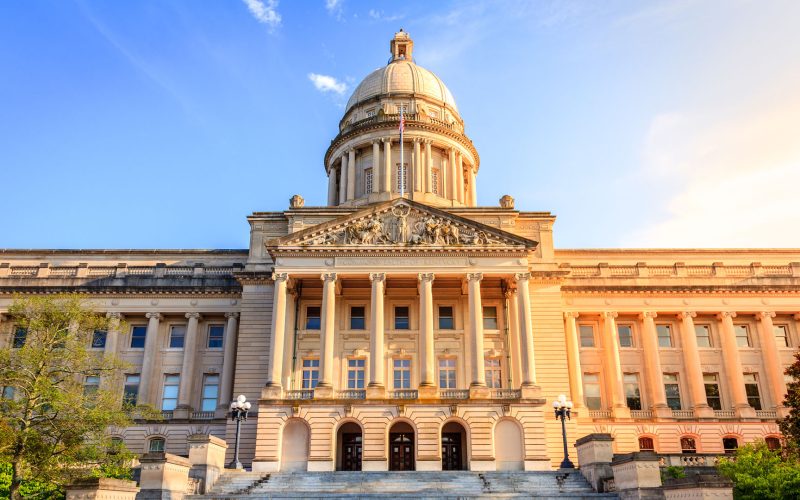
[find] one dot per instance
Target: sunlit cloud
(334, 7)
(265, 12)
(379, 15)
(326, 83)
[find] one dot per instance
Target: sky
(163, 124)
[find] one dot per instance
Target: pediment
(402, 224)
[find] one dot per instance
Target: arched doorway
(508, 446)
(401, 447)
(349, 439)
(294, 447)
(454, 447)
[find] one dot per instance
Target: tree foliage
(790, 425)
(55, 428)
(760, 473)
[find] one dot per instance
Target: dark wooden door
(351, 451)
(451, 451)
(401, 451)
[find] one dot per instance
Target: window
(368, 180)
(402, 177)
(632, 396)
(773, 443)
(130, 393)
(357, 321)
(646, 444)
(688, 445)
(490, 317)
(210, 392)
(177, 336)
(781, 335)
(446, 318)
(672, 390)
(625, 335)
(169, 398)
(703, 334)
(587, 335)
(712, 390)
(664, 335)
(494, 375)
(435, 180)
(313, 318)
(402, 374)
(355, 373)
(19, 338)
(730, 445)
(370, 113)
(156, 445)
(7, 393)
(751, 388)
(216, 336)
(401, 318)
(591, 391)
(310, 373)
(99, 339)
(402, 107)
(91, 384)
(138, 334)
(742, 335)
(447, 373)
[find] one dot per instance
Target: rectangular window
(216, 336)
(711, 384)
(625, 333)
(355, 373)
(310, 373)
(664, 335)
(130, 394)
(490, 318)
(313, 318)
(177, 335)
(703, 335)
(169, 398)
(138, 335)
(91, 384)
(368, 180)
(446, 318)
(19, 338)
(781, 335)
(156, 445)
(210, 392)
(357, 321)
(591, 391)
(401, 318)
(99, 339)
(402, 177)
(632, 396)
(751, 388)
(587, 335)
(447, 373)
(435, 180)
(402, 374)
(673, 391)
(494, 375)
(742, 335)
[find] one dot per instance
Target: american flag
(402, 121)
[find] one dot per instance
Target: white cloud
(334, 7)
(379, 15)
(265, 12)
(325, 83)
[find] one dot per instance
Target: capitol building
(403, 327)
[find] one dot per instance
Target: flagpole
(402, 170)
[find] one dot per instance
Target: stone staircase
(418, 485)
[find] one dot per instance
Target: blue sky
(163, 124)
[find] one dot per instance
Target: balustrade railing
(682, 413)
(203, 415)
(600, 413)
(641, 414)
(724, 413)
(300, 394)
(505, 393)
(767, 414)
(351, 394)
(179, 270)
(410, 119)
(454, 393)
(102, 271)
(688, 460)
(404, 394)
(166, 414)
(24, 271)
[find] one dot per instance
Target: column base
(323, 392)
(479, 392)
(530, 391)
(266, 465)
(374, 465)
(662, 412)
(428, 465)
(376, 392)
(782, 412)
(621, 413)
(321, 465)
(704, 412)
(181, 412)
(746, 412)
(272, 391)
(483, 465)
(428, 392)
(538, 464)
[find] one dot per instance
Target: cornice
(722, 289)
(254, 277)
(234, 291)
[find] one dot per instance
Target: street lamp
(239, 409)
(562, 410)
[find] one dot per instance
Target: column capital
(417, 140)
(648, 314)
(110, 315)
(726, 314)
(428, 141)
(386, 140)
(687, 314)
(376, 141)
(610, 314)
(474, 276)
(193, 315)
(766, 314)
(571, 314)
(153, 315)
(328, 277)
(280, 277)
(230, 315)
(377, 277)
(423, 277)
(522, 276)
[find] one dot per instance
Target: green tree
(790, 425)
(760, 473)
(54, 427)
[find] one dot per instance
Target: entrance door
(451, 451)
(402, 451)
(351, 451)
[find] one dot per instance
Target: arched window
(646, 444)
(156, 445)
(688, 445)
(730, 444)
(773, 443)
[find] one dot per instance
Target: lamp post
(239, 409)
(562, 408)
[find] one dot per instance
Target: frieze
(402, 261)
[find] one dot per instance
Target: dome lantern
(401, 47)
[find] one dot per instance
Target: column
(476, 333)
(527, 362)
(292, 296)
(692, 366)
(427, 369)
(112, 336)
(733, 365)
(331, 187)
(228, 360)
(351, 175)
(417, 166)
(376, 388)
(328, 320)
(652, 366)
(460, 176)
(277, 334)
(386, 175)
(444, 178)
(574, 359)
(473, 192)
(772, 361)
(187, 368)
(343, 180)
(510, 295)
(428, 167)
(148, 361)
(376, 166)
(613, 367)
(453, 174)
